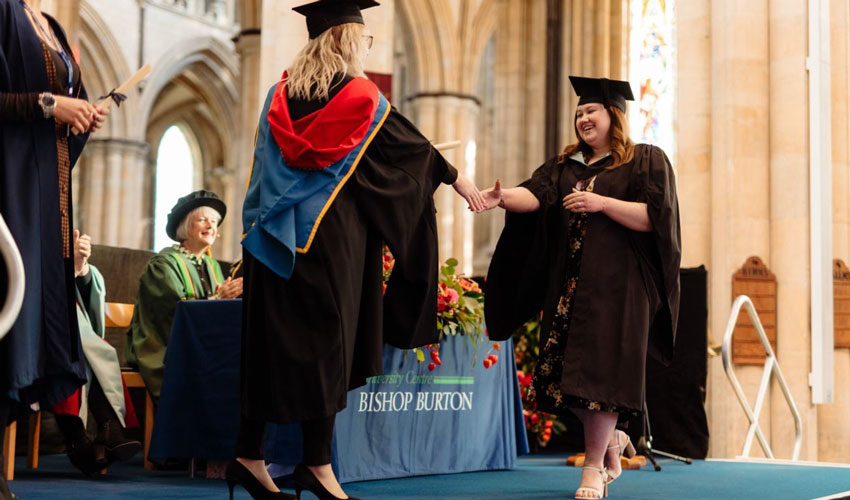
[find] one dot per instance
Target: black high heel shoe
(306, 480)
(237, 473)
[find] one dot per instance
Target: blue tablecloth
(409, 421)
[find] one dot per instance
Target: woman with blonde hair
(592, 240)
(337, 173)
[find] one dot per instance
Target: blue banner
(408, 421)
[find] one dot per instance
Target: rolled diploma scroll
(125, 88)
(445, 146)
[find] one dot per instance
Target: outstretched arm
(467, 189)
(518, 199)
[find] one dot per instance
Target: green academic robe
(101, 358)
(168, 278)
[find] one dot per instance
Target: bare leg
(325, 475)
(598, 429)
(612, 456)
(258, 469)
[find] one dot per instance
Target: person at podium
(183, 271)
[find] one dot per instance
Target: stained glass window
(652, 71)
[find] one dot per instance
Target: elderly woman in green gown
(184, 271)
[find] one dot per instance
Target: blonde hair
(337, 50)
(622, 147)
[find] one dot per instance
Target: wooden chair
(117, 316)
(134, 379)
(10, 433)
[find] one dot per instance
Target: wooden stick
(125, 88)
(445, 146)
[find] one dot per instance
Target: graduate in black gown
(592, 240)
(337, 173)
(41, 97)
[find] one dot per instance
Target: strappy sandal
(626, 449)
(586, 492)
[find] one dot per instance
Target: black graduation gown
(308, 340)
(41, 358)
(627, 296)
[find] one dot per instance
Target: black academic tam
(325, 14)
(602, 90)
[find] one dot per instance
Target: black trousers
(99, 406)
(317, 436)
(72, 427)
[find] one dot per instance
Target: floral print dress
(546, 380)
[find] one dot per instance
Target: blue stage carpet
(537, 477)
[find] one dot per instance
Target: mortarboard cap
(326, 14)
(602, 90)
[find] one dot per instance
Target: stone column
(834, 419)
(284, 33)
(136, 167)
(789, 216)
(111, 182)
(693, 131)
(595, 45)
(740, 194)
(251, 98)
(381, 22)
(517, 134)
(449, 117)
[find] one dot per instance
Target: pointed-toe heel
(305, 480)
(236, 473)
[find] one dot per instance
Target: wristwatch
(47, 103)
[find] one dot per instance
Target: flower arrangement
(539, 425)
(460, 311)
(460, 304)
(389, 263)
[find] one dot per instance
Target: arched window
(177, 161)
(652, 71)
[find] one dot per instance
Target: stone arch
(195, 85)
(104, 67)
(446, 46)
(423, 39)
(481, 27)
(207, 57)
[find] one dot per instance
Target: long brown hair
(622, 147)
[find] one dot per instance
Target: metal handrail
(15, 268)
(771, 368)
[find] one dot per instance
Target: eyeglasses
(369, 40)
